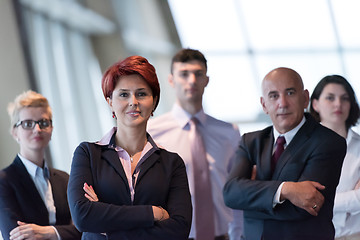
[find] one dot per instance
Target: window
(245, 39)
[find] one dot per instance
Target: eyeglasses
(30, 124)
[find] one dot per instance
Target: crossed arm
(160, 214)
(304, 181)
(32, 231)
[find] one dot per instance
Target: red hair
(128, 66)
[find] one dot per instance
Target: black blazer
(162, 181)
(316, 153)
(20, 201)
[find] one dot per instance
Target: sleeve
(64, 227)
(128, 221)
(9, 207)
(67, 232)
(99, 217)
(236, 226)
(317, 164)
(347, 202)
(57, 233)
(242, 193)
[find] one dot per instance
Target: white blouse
(347, 200)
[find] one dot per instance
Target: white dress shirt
(347, 200)
(288, 138)
(221, 140)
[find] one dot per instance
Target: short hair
(128, 66)
(354, 112)
(187, 55)
(25, 100)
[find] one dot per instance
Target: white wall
(13, 77)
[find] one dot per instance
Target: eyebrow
(194, 70)
(286, 90)
(290, 89)
(272, 92)
(127, 90)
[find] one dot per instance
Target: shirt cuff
(276, 199)
(57, 233)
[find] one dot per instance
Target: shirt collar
(32, 167)
(290, 134)
(109, 140)
(350, 135)
(105, 140)
(183, 117)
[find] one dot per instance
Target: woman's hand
(160, 214)
(90, 193)
(32, 231)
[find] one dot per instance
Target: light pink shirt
(124, 158)
(221, 140)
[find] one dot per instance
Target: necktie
(44, 187)
(204, 208)
(280, 142)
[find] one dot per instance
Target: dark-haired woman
(334, 104)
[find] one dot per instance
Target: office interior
(60, 48)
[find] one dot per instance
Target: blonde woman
(33, 202)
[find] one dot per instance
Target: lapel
(57, 192)
(147, 164)
(300, 138)
(265, 158)
(110, 155)
(29, 189)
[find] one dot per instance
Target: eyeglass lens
(30, 124)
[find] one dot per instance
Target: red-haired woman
(141, 189)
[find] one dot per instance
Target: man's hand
(305, 195)
(32, 231)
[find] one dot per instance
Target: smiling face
(333, 105)
(132, 101)
(284, 98)
(36, 139)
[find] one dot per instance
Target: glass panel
(352, 60)
(232, 93)
(205, 24)
(310, 67)
(312, 37)
(347, 17)
(285, 25)
(66, 70)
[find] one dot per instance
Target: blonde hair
(25, 100)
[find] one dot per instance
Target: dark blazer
(20, 201)
(162, 181)
(315, 153)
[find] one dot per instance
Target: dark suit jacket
(315, 153)
(20, 201)
(162, 181)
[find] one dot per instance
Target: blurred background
(60, 48)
